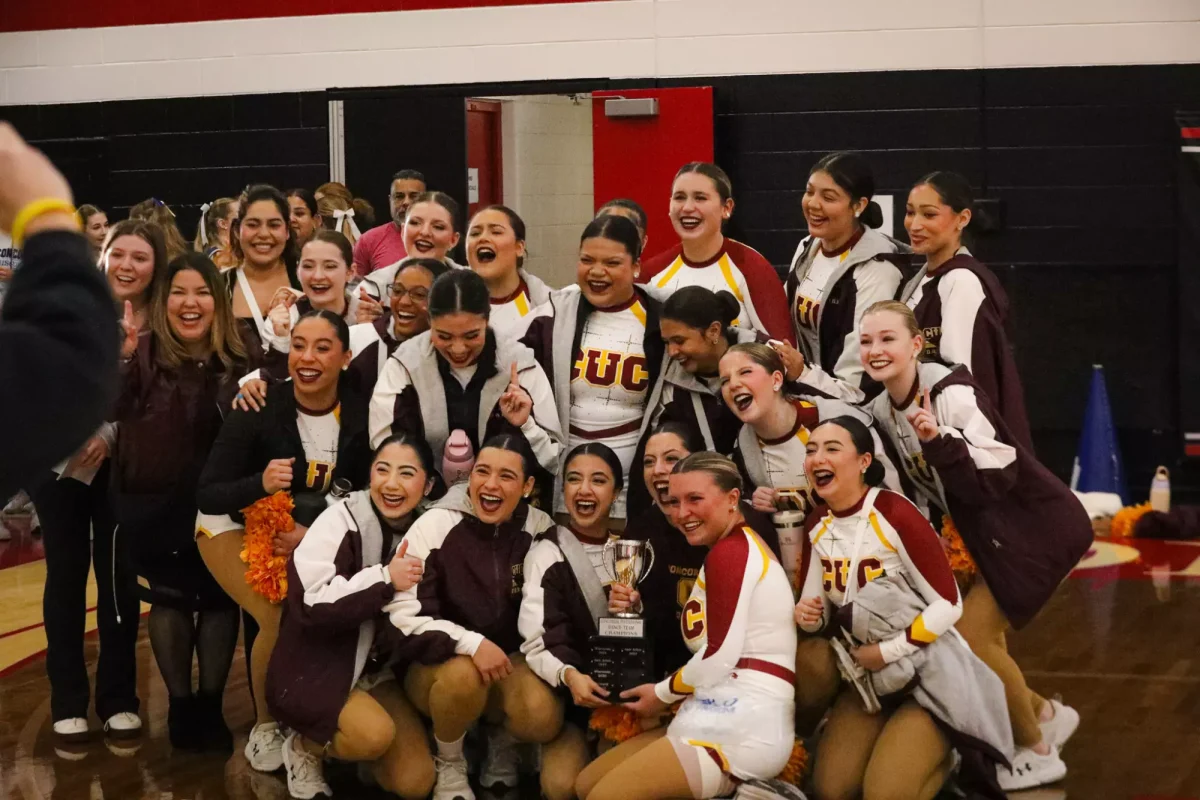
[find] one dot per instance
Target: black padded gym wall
(184, 151)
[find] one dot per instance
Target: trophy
(622, 655)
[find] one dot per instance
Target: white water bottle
(1160, 490)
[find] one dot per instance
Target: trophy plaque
(622, 654)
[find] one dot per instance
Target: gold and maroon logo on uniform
(933, 338)
(692, 620)
(835, 571)
(318, 475)
(919, 469)
(603, 368)
(806, 311)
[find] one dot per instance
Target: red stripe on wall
(59, 14)
(1190, 133)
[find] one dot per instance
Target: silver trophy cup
(628, 561)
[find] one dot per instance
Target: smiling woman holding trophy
(737, 714)
(564, 607)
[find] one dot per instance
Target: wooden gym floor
(1120, 642)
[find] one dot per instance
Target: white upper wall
(616, 39)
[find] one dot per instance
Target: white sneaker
(503, 762)
(1062, 726)
(125, 725)
(264, 750)
(1030, 769)
(452, 780)
(72, 729)
(305, 775)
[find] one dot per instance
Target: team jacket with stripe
(471, 589)
(739, 616)
(411, 396)
(338, 584)
(826, 326)
(1023, 526)
(962, 311)
(737, 268)
(508, 317)
(371, 344)
(892, 538)
(667, 587)
(556, 618)
(249, 440)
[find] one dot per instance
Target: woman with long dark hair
(460, 376)
(496, 251)
(176, 383)
(959, 304)
(600, 344)
(311, 432)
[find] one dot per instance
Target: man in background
(384, 245)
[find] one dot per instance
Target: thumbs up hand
(515, 403)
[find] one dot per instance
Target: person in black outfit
(59, 339)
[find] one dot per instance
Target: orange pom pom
(961, 563)
(615, 723)
(266, 572)
(1126, 518)
(797, 765)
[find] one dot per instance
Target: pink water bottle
(457, 457)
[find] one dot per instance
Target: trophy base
(620, 662)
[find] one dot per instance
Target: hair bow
(204, 224)
(346, 216)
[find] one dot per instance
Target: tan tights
(222, 556)
(901, 756)
(984, 626)
(645, 767)
(454, 696)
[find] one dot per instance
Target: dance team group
(835, 472)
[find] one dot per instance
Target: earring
(864, 470)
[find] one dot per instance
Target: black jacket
(232, 477)
(59, 344)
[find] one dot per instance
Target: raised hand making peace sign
(129, 332)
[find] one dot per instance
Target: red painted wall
(41, 15)
(638, 157)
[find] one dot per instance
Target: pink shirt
(379, 247)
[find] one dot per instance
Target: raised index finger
(515, 380)
(926, 403)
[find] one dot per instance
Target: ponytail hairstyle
(463, 291)
(223, 337)
(306, 197)
(433, 266)
(698, 308)
(721, 469)
(896, 307)
(636, 212)
(864, 444)
(158, 212)
(338, 323)
(688, 434)
(85, 212)
(605, 454)
(452, 208)
(459, 290)
(621, 230)
(955, 191)
(337, 240)
(419, 445)
(257, 193)
(207, 230)
(851, 172)
(335, 197)
(515, 443)
(714, 173)
(761, 354)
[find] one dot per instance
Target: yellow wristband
(46, 205)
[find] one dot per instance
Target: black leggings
(78, 532)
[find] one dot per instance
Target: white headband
(204, 224)
(346, 215)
